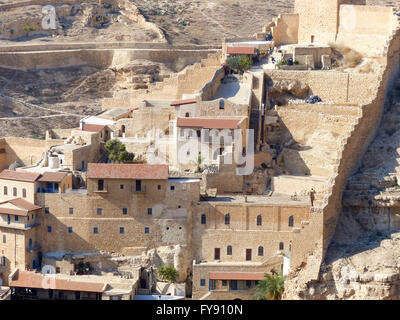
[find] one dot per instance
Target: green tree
(168, 273)
(245, 62)
(117, 151)
(239, 63)
(270, 288)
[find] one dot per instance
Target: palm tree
(270, 288)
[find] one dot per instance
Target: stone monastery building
(223, 224)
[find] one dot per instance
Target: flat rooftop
(275, 199)
(235, 92)
(112, 114)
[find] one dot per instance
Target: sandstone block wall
(332, 86)
(323, 220)
(286, 29)
(365, 28)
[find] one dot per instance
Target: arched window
(229, 250)
(203, 219)
(5, 191)
(187, 115)
(291, 221)
(259, 220)
(24, 193)
(14, 192)
(281, 246)
(260, 251)
(123, 129)
(221, 104)
(227, 219)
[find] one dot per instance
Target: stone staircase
(189, 81)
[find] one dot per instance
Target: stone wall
(286, 29)
(332, 86)
(25, 150)
(313, 244)
(365, 28)
(243, 221)
(98, 58)
(189, 81)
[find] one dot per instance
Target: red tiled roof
(181, 102)
(19, 175)
(241, 50)
(92, 127)
(52, 176)
(127, 171)
(27, 279)
(208, 123)
(236, 275)
(24, 207)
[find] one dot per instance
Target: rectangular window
(99, 211)
(5, 191)
(100, 185)
(3, 261)
(71, 210)
(248, 283)
(233, 284)
(15, 218)
(24, 193)
(121, 186)
(48, 228)
(14, 192)
(202, 282)
(149, 211)
(159, 187)
(224, 283)
(69, 229)
(124, 211)
(248, 254)
(47, 210)
(217, 253)
(146, 230)
(4, 238)
(121, 230)
(138, 185)
(95, 230)
(172, 188)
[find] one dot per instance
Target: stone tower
(319, 19)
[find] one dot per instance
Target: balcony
(101, 190)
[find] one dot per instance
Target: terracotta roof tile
(27, 279)
(241, 50)
(52, 177)
(208, 123)
(19, 175)
(181, 102)
(24, 207)
(92, 127)
(236, 275)
(127, 171)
